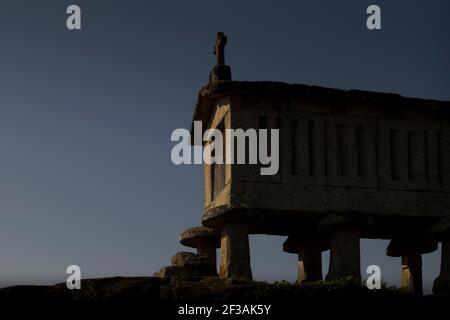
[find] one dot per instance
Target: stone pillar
(442, 282)
(310, 264)
(410, 249)
(344, 255)
(411, 276)
(205, 240)
(208, 248)
(235, 252)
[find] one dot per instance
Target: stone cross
(219, 48)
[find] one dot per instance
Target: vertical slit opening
(311, 149)
(393, 153)
(440, 171)
(340, 149)
(426, 156)
(294, 147)
(411, 135)
(218, 169)
(358, 138)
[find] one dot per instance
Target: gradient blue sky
(86, 117)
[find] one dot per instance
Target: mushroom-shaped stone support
(441, 232)
(309, 253)
(344, 229)
(205, 240)
(411, 250)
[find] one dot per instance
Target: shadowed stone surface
(309, 265)
(442, 282)
(208, 250)
(440, 231)
(344, 220)
(344, 255)
(296, 244)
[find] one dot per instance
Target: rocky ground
(171, 293)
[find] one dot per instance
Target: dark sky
(86, 117)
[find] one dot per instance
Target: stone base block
(188, 259)
(184, 272)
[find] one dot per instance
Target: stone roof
(214, 90)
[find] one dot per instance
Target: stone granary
(353, 164)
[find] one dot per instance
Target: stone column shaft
(345, 254)
(442, 282)
(310, 265)
(235, 252)
(411, 276)
(208, 249)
